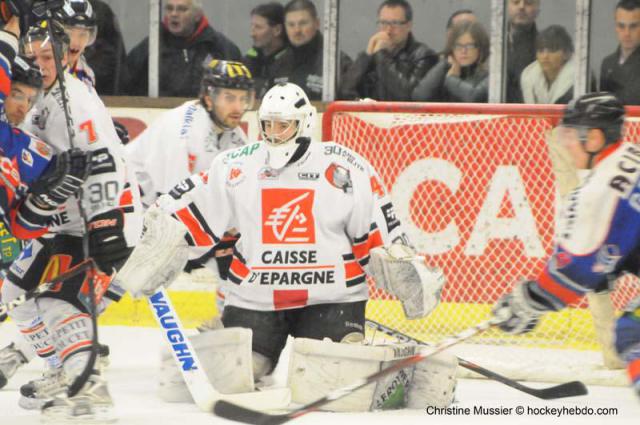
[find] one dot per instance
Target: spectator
(301, 62)
(620, 71)
(107, 55)
(461, 75)
(394, 61)
(458, 17)
(550, 78)
(187, 42)
(269, 42)
(521, 43)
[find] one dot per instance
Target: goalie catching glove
(158, 257)
(521, 309)
(399, 271)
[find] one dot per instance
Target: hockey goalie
(314, 220)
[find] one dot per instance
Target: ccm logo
(99, 224)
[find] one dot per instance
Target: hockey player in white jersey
(82, 29)
(184, 140)
(315, 220)
(58, 322)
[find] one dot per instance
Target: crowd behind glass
(287, 45)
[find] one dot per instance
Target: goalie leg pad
(226, 358)
(318, 367)
(398, 270)
(434, 382)
(158, 257)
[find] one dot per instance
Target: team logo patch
(27, 158)
(267, 173)
(235, 176)
(339, 177)
(287, 216)
(40, 147)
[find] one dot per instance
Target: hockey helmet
(286, 102)
(40, 32)
(27, 72)
(226, 74)
(83, 16)
(600, 110)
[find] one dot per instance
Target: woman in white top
(550, 78)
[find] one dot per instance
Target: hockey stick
(568, 389)
(202, 391)
(47, 9)
(44, 287)
(228, 410)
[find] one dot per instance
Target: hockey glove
(62, 179)
(520, 310)
(107, 244)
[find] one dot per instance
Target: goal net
(477, 188)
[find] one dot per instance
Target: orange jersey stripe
(566, 295)
(352, 269)
(239, 268)
(200, 237)
(74, 347)
(361, 250)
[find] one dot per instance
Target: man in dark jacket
(521, 43)
(394, 61)
(269, 43)
(187, 42)
(301, 62)
(620, 70)
(107, 55)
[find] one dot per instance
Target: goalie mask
(286, 119)
(227, 92)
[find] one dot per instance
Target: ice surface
(133, 382)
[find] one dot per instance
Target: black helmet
(226, 74)
(26, 71)
(601, 110)
(83, 14)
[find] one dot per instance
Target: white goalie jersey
(307, 229)
(110, 185)
(182, 142)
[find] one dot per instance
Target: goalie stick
(228, 410)
(202, 391)
(568, 389)
(44, 287)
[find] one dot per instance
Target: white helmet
(286, 102)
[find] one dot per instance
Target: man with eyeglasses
(393, 63)
(302, 62)
(619, 72)
(187, 41)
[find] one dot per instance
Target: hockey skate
(53, 383)
(35, 393)
(92, 404)
(10, 360)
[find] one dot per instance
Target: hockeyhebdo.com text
(556, 411)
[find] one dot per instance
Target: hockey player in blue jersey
(599, 233)
(30, 176)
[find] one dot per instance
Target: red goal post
(477, 189)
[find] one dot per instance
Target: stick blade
(568, 389)
(228, 410)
